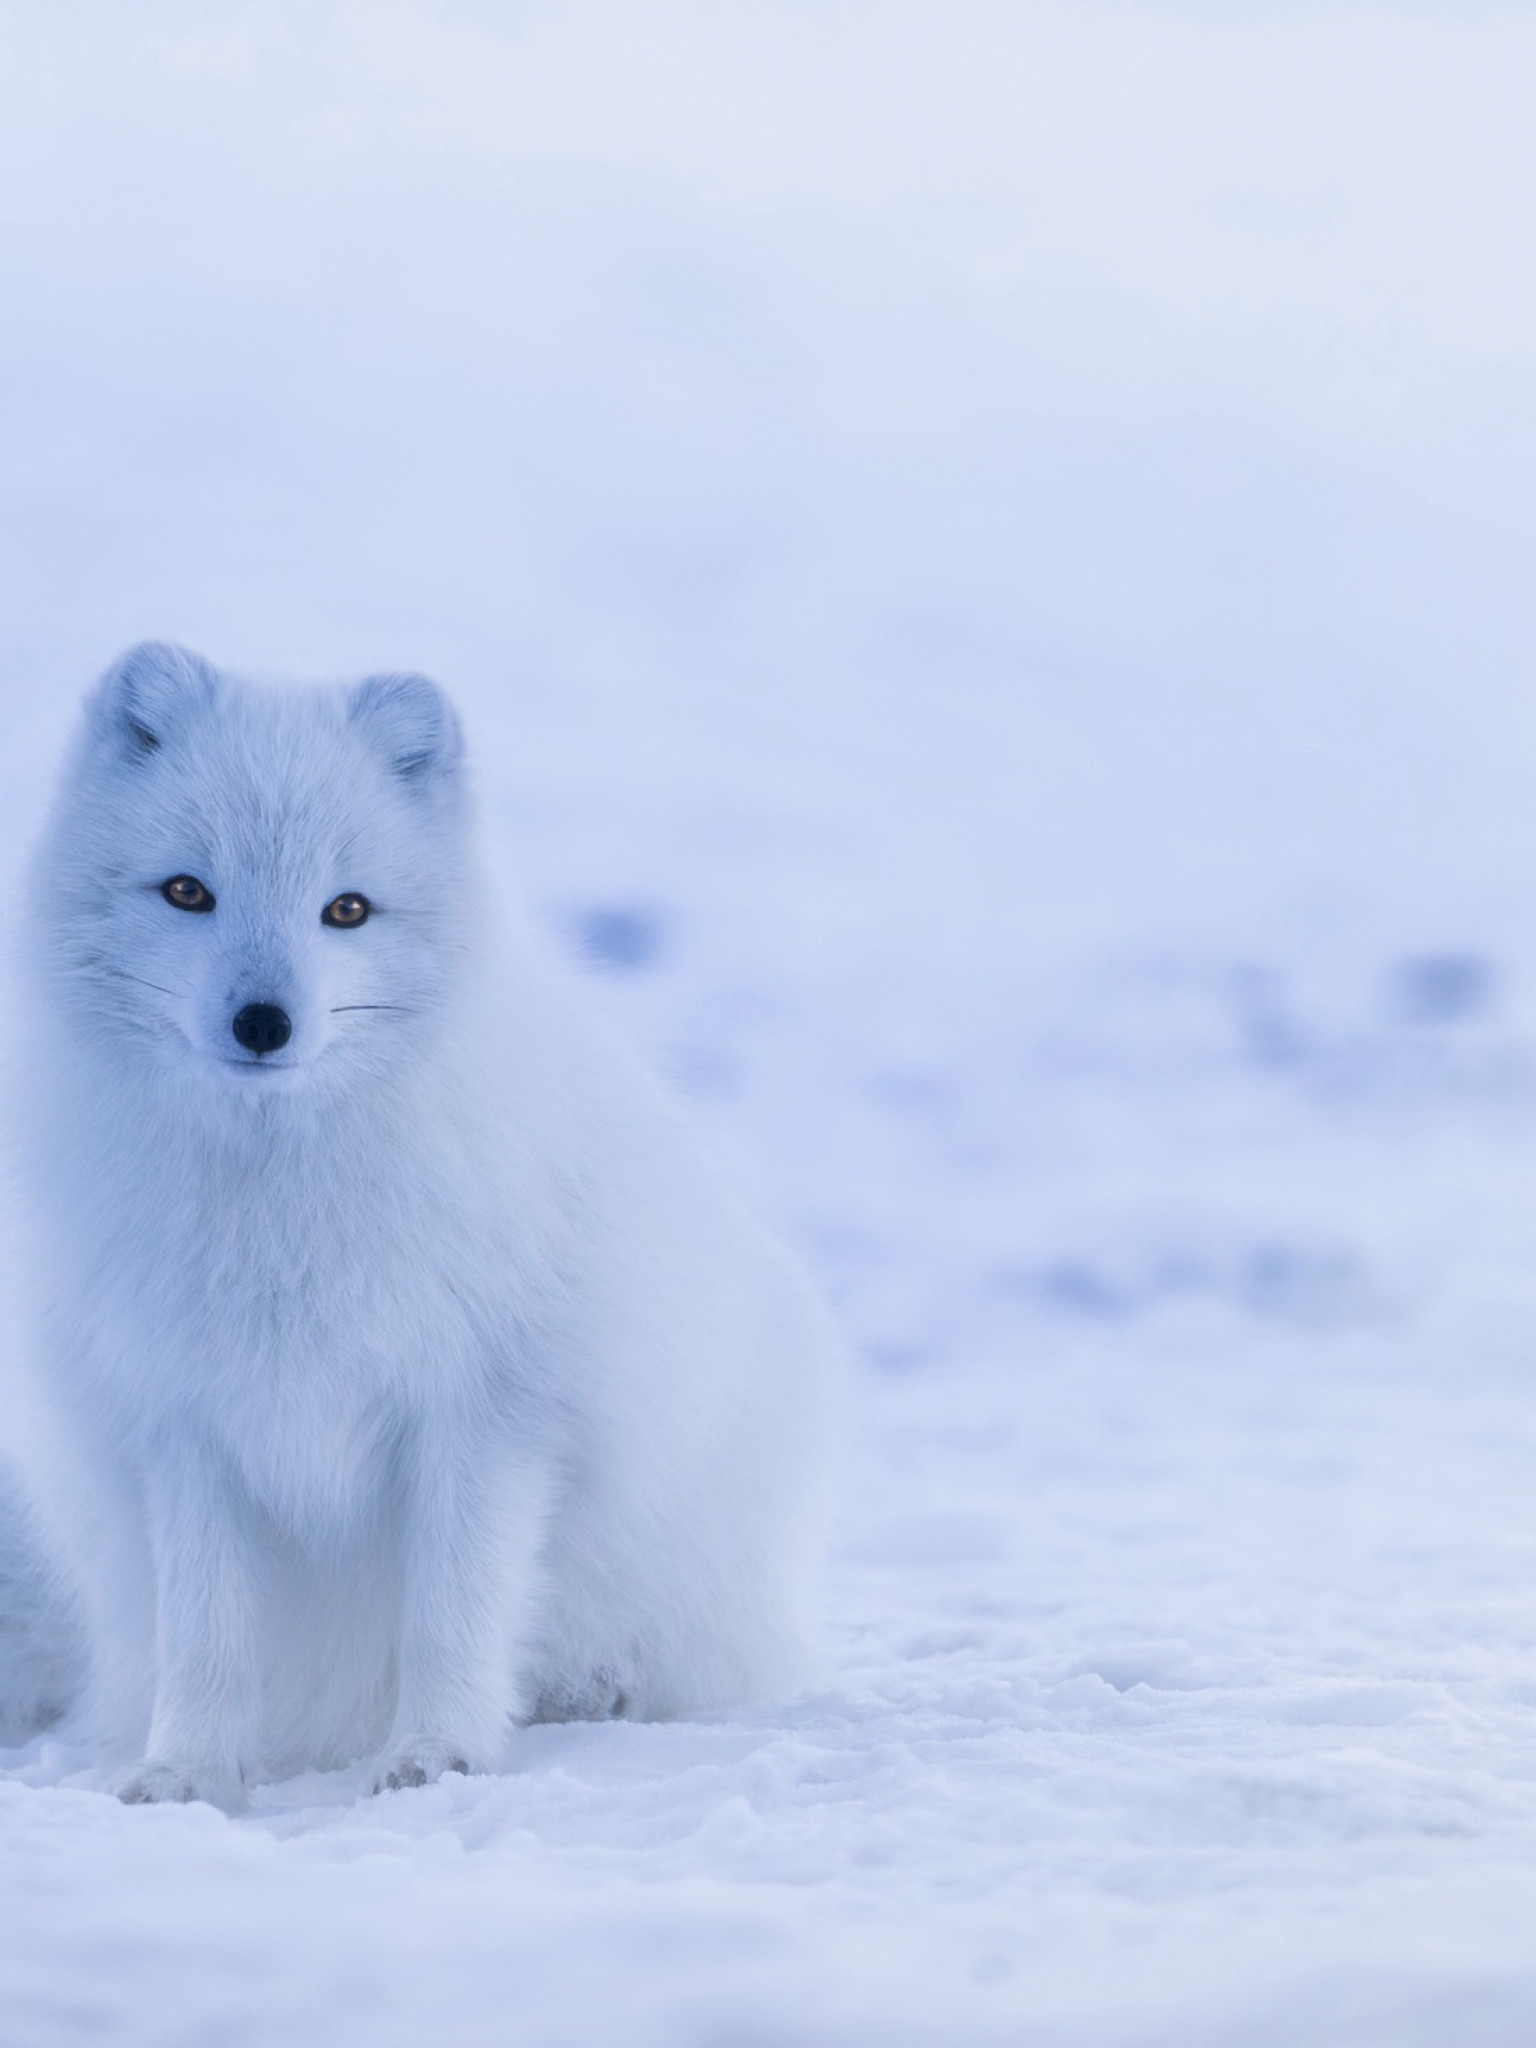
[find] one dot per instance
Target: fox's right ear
(145, 694)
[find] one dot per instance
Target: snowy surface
(986, 548)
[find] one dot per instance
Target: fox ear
(147, 692)
(412, 722)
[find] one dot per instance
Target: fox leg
(473, 1528)
(205, 1636)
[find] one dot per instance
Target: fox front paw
(419, 1763)
(154, 1783)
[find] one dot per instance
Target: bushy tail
(42, 1656)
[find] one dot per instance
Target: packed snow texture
(986, 551)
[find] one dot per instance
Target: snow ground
(986, 551)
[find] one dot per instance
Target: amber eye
(187, 893)
(346, 911)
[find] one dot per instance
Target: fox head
(252, 887)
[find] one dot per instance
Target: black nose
(262, 1027)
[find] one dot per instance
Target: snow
(986, 550)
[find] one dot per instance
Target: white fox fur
(411, 1379)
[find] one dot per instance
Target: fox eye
(187, 893)
(346, 911)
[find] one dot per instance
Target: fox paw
(598, 1698)
(153, 1783)
(419, 1763)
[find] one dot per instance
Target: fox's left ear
(410, 719)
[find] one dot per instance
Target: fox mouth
(263, 1063)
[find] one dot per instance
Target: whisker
(337, 1008)
(123, 975)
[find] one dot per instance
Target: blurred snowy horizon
(985, 553)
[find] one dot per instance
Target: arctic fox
(412, 1377)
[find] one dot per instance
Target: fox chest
(306, 1369)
